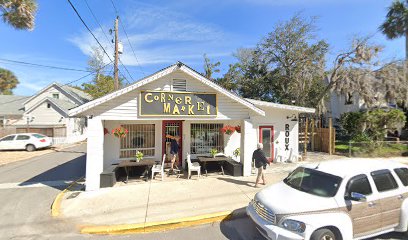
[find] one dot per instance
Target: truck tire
(323, 234)
(30, 148)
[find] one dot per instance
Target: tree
(298, 57)
(8, 81)
(209, 67)
(19, 13)
(396, 23)
(101, 84)
(361, 56)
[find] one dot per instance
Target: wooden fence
(314, 137)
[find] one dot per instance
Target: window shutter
(179, 85)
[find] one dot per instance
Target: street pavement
(28, 188)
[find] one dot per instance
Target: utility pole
(116, 80)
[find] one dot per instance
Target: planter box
(233, 168)
(108, 177)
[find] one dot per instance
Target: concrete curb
(164, 225)
(56, 204)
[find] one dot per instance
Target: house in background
(46, 112)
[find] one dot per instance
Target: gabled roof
(178, 66)
(12, 105)
(77, 94)
(61, 104)
(281, 106)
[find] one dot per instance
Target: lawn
(384, 149)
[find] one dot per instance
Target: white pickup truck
(334, 200)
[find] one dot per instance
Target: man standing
(260, 163)
(174, 149)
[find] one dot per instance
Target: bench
(233, 168)
(108, 176)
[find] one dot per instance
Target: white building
(179, 101)
(46, 112)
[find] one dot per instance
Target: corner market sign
(159, 103)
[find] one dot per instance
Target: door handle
(372, 204)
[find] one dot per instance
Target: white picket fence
(68, 140)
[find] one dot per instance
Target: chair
(293, 157)
(159, 168)
(193, 167)
(278, 156)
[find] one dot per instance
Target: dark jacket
(260, 159)
(174, 147)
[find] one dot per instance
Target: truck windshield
(313, 182)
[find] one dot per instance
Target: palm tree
(8, 81)
(19, 13)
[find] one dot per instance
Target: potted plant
(139, 155)
(213, 152)
(120, 132)
(236, 153)
(228, 129)
(238, 129)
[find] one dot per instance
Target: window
(48, 105)
(313, 182)
(384, 180)
(359, 184)
(403, 175)
(8, 138)
(179, 85)
(55, 95)
(141, 137)
(22, 137)
(38, 135)
(205, 137)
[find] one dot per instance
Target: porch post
(248, 144)
(94, 156)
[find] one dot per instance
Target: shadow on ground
(241, 228)
(55, 177)
(239, 182)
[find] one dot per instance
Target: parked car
(340, 199)
(27, 141)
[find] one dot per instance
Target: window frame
(127, 140)
(55, 94)
(193, 142)
(22, 139)
(355, 178)
(381, 172)
(404, 182)
(14, 137)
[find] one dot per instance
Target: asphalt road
(28, 188)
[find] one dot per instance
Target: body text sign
(158, 103)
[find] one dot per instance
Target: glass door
(266, 138)
(173, 128)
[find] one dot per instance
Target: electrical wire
(42, 65)
(127, 37)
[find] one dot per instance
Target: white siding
(45, 116)
(126, 106)
(48, 93)
(278, 119)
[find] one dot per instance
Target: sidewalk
(140, 202)
(156, 201)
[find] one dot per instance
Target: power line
(76, 80)
(42, 65)
(100, 26)
(127, 37)
(89, 30)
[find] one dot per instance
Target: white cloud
(159, 35)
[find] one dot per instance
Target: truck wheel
(323, 234)
(30, 148)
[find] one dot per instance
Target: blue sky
(163, 32)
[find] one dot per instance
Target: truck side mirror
(356, 197)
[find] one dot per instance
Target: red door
(266, 138)
(173, 128)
